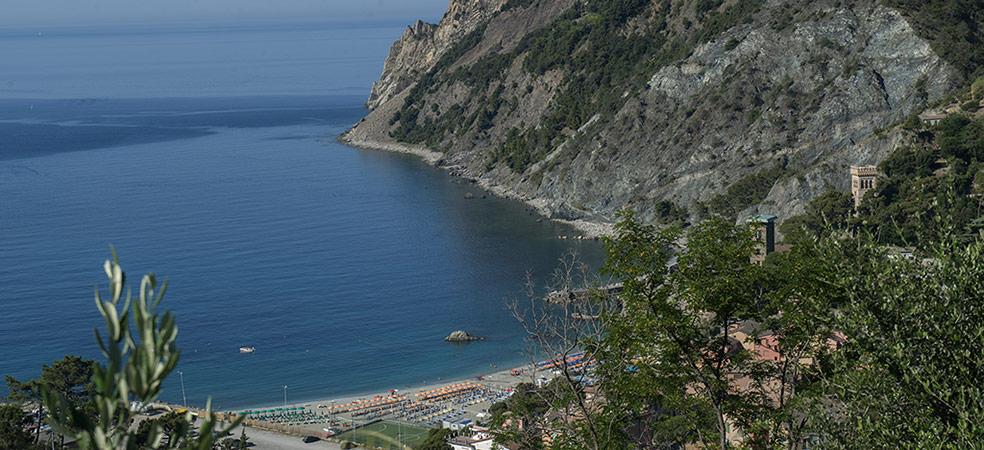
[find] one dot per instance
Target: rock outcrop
(423, 43)
(461, 336)
(802, 86)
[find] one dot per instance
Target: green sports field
(385, 435)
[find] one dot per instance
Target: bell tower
(764, 227)
(863, 179)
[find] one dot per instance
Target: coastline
(591, 229)
(495, 375)
(272, 436)
(501, 381)
(497, 378)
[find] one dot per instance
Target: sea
(207, 155)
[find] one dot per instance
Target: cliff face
(733, 107)
(423, 43)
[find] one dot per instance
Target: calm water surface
(211, 161)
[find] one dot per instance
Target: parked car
(234, 443)
(310, 439)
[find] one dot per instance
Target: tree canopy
(436, 440)
(70, 376)
(938, 174)
(13, 435)
(837, 343)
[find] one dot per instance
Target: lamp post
(183, 397)
(285, 396)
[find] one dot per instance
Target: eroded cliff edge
(734, 107)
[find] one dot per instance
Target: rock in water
(469, 196)
(461, 336)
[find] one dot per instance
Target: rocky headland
(746, 107)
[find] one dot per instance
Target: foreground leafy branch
(911, 373)
(140, 351)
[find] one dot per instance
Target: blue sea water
(208, 156)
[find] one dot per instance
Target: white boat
(247, 349)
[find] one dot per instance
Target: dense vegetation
(13, 432)
(70, 377)
(667, 212)
(603, 49)
(832, 209)
(835, 344)
(510, 4)
(526, 405)
(436, 440)
(942, 176)
(934, 184)
(747, 191)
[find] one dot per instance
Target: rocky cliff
(423, 43)
(675, 108)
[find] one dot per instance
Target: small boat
(247, 349)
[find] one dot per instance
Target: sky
(99, 12)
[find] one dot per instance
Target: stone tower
(764, 226)
(863, 179)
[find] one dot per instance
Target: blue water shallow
(344, 267)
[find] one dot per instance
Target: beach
(448, 396)
(450, 403)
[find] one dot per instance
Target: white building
(480, 439)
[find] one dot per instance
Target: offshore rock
(461, 336)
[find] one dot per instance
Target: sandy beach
(453, 400)
(499, 381)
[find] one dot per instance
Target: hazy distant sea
(207, 155)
